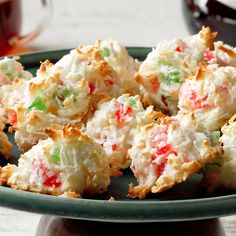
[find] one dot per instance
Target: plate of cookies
(108, 133)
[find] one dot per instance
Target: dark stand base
(56, 226)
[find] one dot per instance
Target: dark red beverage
(10, 22)
(220, 15)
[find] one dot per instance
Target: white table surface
(74, 22)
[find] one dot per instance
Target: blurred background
(131, 22)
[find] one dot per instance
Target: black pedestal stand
(56, 226)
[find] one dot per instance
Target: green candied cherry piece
(37, 104)
(66, 92)
(56, 156)
(106, 52)
(169, 74)
(132, 102)
(63, 94)
(6, 68)
(215, 136)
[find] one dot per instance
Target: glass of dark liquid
(11, 22)
(219, 15)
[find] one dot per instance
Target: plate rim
(138, 210)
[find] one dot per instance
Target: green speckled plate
(186, 201)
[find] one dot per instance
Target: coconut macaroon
(167, 67)
(52, 101)
(222, 172)
(114, 124)
(85, 62)
(68, 163)
(10, 68)
(210, 95)
(166, 153)
(125, 66)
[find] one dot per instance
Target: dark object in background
(220, 15)
(10, 22)
(56, 226)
